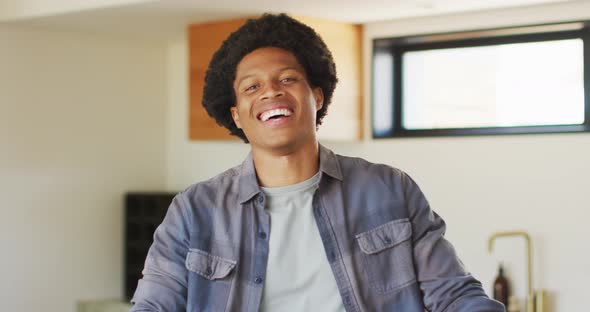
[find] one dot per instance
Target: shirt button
(258, 280)
(208, 271)
(387, 239)
(262, 235)
(261, 199)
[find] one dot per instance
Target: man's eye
(287, 79)
(251, 88)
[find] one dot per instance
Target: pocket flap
(384, 236)
(208, 266)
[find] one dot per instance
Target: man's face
(275, 105)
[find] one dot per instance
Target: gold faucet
(530, 302)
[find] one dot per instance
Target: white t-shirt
(299, 277)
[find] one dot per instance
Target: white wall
(82, 121)
(479, 185)
(19, 9)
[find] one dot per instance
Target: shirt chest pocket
(387, 255)
(208, 266)
(208, 274)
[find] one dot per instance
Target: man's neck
(275, 169)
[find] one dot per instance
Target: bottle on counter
(501, 289)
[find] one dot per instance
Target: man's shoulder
(222, 182)
(359, 173)
(359, 166)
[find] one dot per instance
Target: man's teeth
(275, 112)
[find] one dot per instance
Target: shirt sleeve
(443, 279)
(163, 287)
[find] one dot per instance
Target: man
(296, 227)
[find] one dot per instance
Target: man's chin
(284, 145)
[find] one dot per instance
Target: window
(519, 80)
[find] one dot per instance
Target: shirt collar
(329, 163)
(249, 186)
(248, 182)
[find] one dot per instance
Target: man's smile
(275, 113)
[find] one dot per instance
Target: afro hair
(279, 31)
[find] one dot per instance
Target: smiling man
(296, 227)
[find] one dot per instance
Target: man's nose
(271, 90)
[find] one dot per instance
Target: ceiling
(157, 18)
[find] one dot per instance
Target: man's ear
(235, 116)
(318, 95)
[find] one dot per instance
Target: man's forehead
(265, 59)
(262, 56)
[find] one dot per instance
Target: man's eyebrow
(242, 78)
(289, 68)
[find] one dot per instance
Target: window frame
(396, 46)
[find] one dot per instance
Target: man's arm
(164, 282)
(443, 279)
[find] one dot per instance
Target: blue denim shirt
(384, 244)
